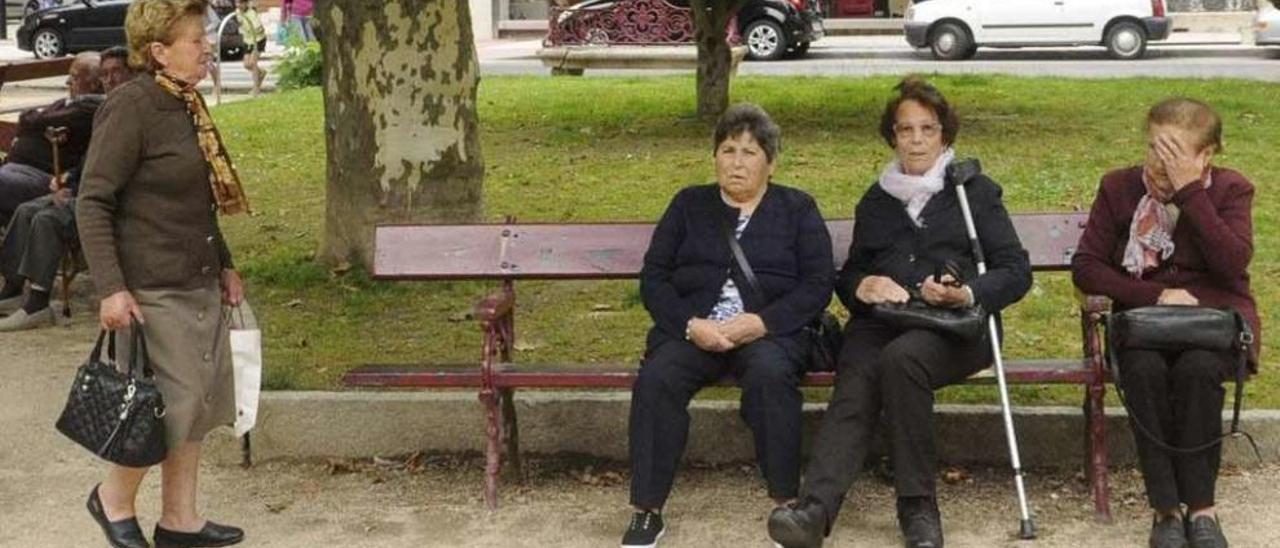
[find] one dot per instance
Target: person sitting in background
(42, 228)
(29, 166)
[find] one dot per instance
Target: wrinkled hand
(1182, 166)
(232, 288)
(743, 329)
(115, 311)
(881, 289)
(944, 294)
(705, 334)
(61, 197)
(1179, 297)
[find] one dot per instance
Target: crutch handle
(960, 172)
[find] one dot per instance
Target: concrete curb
(366, 424)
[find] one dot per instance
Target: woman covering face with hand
(1175, 230)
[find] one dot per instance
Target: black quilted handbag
(119, 416)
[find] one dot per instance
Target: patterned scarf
(1151, 232)
(914, 191)
(223, 179)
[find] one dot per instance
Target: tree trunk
(711, 20)
(401, 129)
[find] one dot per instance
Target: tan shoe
(21, 321)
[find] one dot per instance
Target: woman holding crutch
(1175, 230)
(910, 229)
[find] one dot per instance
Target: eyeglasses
(903, 131)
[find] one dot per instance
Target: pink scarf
(1151, 232)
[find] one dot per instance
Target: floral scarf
(225, 182)
(1151, 232)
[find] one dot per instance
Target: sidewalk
(434, 500)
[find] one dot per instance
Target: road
(1203, 56)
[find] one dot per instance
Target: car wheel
(765, 40)
(1126, 41)
(47, 43)
(950, 42)
(800, 50)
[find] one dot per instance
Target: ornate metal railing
(624, 22)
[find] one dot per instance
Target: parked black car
(771, 29)
(774, 28)
(81, 25)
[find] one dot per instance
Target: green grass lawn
(596, 149)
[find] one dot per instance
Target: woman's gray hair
(749, 118)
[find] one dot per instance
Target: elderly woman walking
(1175, 230)
(909, 225)
(712, 319)
(155, 179)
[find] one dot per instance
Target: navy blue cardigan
(689, 260)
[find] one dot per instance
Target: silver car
(1266, 25)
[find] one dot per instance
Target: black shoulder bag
(1180, 328)
(965, 323)
(824, 332)
(119, 416)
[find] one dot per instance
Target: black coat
(887, 243)
(689, 260)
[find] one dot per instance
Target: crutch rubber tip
(1027, 530)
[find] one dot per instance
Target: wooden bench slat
(618, 375)
(615, 250)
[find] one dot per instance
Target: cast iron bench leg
(511, 435)
(493, 450)
(1096, 422)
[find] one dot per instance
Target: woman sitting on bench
(1175, 231)
(712, 317)
(908, 227)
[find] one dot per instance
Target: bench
(507, 253)
(627, 34)
(14, 71)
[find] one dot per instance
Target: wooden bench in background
(16, 71)
(507, 253)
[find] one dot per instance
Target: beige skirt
(189, 350)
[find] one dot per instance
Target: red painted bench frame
(511, 252)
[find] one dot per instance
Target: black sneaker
(1167, 532)
(645, 530)
(1204, 532)
(920, 522)
(798, 525)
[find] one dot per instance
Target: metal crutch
(960, 173)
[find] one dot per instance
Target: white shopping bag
(246, 357)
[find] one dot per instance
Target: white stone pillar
(484, 23)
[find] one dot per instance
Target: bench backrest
(34, 69)
(616, 250)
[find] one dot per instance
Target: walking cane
(960, 173)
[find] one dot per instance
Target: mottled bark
(401, 129)
(711, 19)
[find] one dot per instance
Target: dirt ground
(434, 500)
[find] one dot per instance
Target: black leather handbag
(1169, 328)
(119, 416)
(965, 323)
(824, 332)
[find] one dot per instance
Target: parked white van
(955, 29)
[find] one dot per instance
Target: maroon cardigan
(1213, 243)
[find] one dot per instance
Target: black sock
(12, 288)
(36, 301)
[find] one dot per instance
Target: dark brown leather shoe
(120, 534)
(212, 535)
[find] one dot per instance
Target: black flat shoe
(212, 535)
(121, 534)
(1205, 532)
(1167, 532)
(920, 521)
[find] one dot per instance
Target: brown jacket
(146, 213)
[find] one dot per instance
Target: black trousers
(20, 183)
(1178, 398)
(769, 371)
(36, 241)
(885, 370)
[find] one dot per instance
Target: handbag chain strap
(1244, 341)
